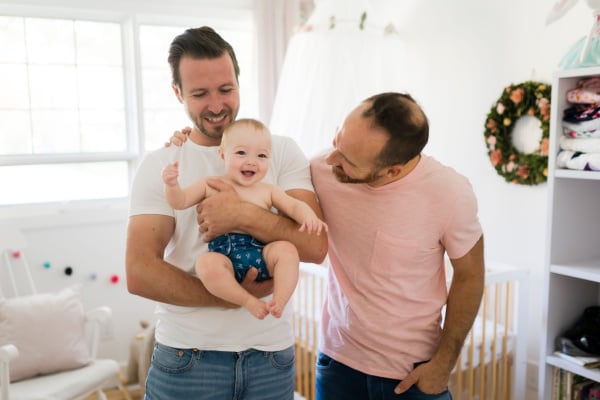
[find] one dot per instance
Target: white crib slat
(471, 376)
(484, 317)
(505, 355)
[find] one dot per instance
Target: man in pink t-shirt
(393, 213)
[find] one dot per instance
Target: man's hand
(429, 378)
(257, 289)
(220, 212)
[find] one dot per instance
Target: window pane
(158, 92)
(12, 40)
(53, 86)
(160, 125)
(100, 87)
(14, 84)
(70, 85)
(155, 42)
(106, 134)
(55, 131)
(15, 132)
(63, 182)
(96, 43)
(49, 41)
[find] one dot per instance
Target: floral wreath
(528, 98)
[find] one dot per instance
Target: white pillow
(48, 330)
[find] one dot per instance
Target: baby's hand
(171, 173)
(313, 225)
(179, 137)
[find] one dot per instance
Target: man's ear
(177, 92)
(394, 170)
(220, 150)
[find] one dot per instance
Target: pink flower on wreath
(491, 141)
(510, 166)
(517, 95)
(523, 171)
(496, 157)
(491, 125)
(544, 106)
(544, 145)
(500, 108)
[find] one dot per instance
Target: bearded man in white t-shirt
(206, 348)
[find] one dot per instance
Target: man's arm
(149, 276)
(225, 212)
(463, 303)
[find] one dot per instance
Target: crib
(492, 364)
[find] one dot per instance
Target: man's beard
(343, 178)
(217, 133)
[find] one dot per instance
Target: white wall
(464, 53)
(90, 240)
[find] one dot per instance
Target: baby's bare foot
(256, 307)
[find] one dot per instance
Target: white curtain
(276, 21)
(330, 66)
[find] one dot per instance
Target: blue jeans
(192, 374)
(336, 381)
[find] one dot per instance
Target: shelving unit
(572, 256)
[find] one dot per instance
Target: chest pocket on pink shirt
(391, 255)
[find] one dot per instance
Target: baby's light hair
(249, 122)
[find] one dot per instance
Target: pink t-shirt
(387, 285)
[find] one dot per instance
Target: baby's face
(246, 153)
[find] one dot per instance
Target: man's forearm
(149, 276)
(463, 303)
(268, 227)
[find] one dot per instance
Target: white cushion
(47, 329)
(69, 384)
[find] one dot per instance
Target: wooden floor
(116, 394)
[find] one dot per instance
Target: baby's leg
(282, 261)
(216, 273)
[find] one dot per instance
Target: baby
(245, 148)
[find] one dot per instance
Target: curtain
(343, 54)
(276, 21)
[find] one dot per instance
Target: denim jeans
(336, 381)
(191, 374)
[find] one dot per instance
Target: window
(77, 111)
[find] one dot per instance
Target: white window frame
(130, 14)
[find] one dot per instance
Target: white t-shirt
(211, 328)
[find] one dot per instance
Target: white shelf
(590, 373)
(588, 270)
(572, 174)
(573, 250)
(576, 73)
